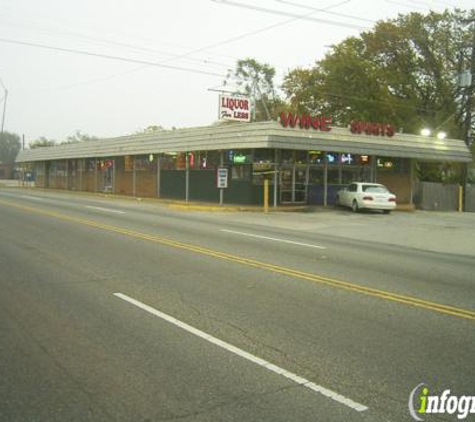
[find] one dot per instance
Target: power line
(308, 18)
(406, 5)
(293, 15)
(197, 50)
(71, 23)
(96, 40)
(109, 57)
(324, 10)
(275, 25)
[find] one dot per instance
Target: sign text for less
(234, 108)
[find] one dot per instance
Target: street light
(427, 132)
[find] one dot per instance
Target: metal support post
(325, 179)
(158, 175)
(95, 175)
(187, 178)
(276, 180)
(221, 191)
(134, 178)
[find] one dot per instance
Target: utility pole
(467, 124)
(5, 90)
(4, 108)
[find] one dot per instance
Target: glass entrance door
(293, 184)
(300, 184)
(286, 185)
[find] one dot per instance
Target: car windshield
(374, 189)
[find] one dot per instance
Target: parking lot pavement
(446, 232)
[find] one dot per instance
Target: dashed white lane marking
(32, 197)
(105, 209)
(275, 239)
(258, 361)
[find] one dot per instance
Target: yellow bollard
(460, 198)
(266, 196)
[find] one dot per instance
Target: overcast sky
(53, 93)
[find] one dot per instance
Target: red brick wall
(399, 184)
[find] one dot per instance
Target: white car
(371, 196)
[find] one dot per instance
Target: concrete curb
(197, 206)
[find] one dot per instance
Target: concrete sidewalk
(446, 232)
(15, 183)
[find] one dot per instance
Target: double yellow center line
(356, 288)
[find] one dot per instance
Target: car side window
(352, 188)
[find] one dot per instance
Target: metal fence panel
(470, 199)
(437, 196)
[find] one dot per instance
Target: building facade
(306, 161)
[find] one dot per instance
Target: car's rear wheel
(387, 211)
(354, 206)
(337, 201)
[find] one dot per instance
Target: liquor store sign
(234, 107)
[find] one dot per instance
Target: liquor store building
(304, 164)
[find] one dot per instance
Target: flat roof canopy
(257, 135)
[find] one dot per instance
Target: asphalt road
(118, 310)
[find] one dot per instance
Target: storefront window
(241, 172)
(350, 175)
(363, 160)
(315, 176)
(168, 160)
(333, 158)
(206, 160)
(394, 165)
(128, 163)
(258, 178)
(239, 156)
(301, 157)
(315, 157)
(287, 156)
(192, 160)
(58, 168)
(239, 162)
(334, 176)
(81, 165)
(91, 164)
(260, 171)
(347, 159)
(39, 169)
(265, 155)
(180, 163)
(203, 161)
(142, 163)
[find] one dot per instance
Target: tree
(10, 145)
(257, 81)
(403, 72)
(150, 129)
(78, 136)
(42, 142)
